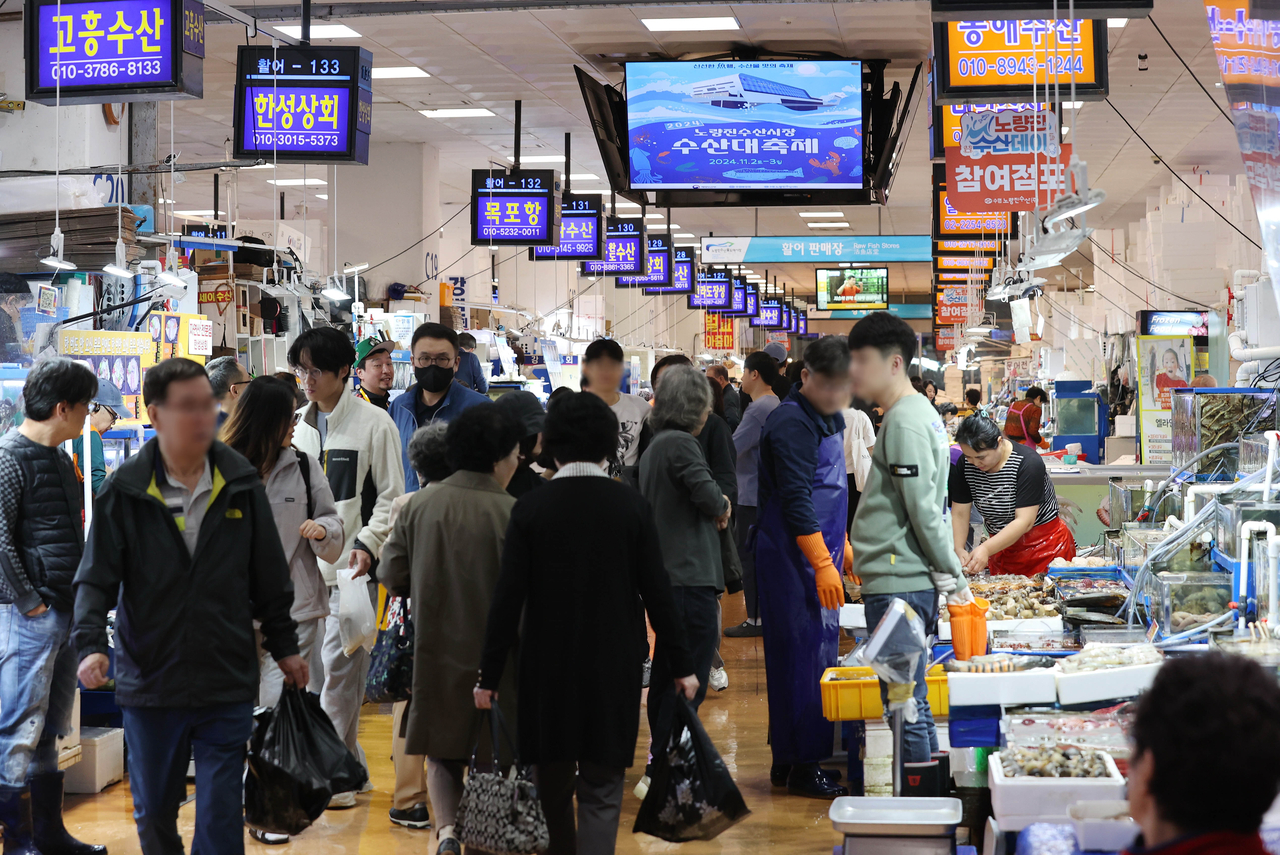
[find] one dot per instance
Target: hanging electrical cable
(1207, 93)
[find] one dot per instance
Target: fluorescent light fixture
(671, 226)
(260, 166)
(335, 294)
(538, 158)
(655, 216)
(57, 263)
(581, 176)
(1064, 130)
(822, 213)
(297, 182)
(1072, 105)
(845, 264)
(399, 72)
(1073, 205)
(979, 330)
(171, 202)
(457, 113)
(628, 216)
(840, 225)
(170, 278)
(116, 270)
(324, 196)
(690, 25)
(684, 234)
(623, 204)
(195, 213)
(356, 268)
(318, 31)
(1116, 23)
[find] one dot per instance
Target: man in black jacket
(41, 537)
(183, 538)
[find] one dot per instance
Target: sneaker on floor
(642, 788)
(648, 669)
(414, 817)
(368, 787)
(342, 801)
(746, 629)
(268, 837)
(718, 679)
(449, 846)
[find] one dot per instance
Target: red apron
(1032, 552)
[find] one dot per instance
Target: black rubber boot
(944, 772)
(779, 772)
(15, 818)
(51, 836)
(807, 780)
(920, 780)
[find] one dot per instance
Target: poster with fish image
(745, 125)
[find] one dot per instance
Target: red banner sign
(944, 338)
(953, 306)
(1004, 182)
(717, 331)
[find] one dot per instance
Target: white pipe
(86, 469)
(1173, 523)
(1273, 583)
(1238, 279)
(1246, 372)
(1240, 353)
(1272, 437)
(1246, 529)
(1188, 509)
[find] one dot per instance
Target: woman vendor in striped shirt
(1011, 487)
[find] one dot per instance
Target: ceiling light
(1116, 23)
(170, 201)
(626, 204)
(334, 294)
(297, 182)
(538, 158)
(671, 226)
(822, 213)
(689, 25)
(1064, 130)
(116, 270)
(581, 176)
(399, 72)
(195, 213)
(318, 31)
(170, 278)
(1072, 105)
(979, 330)
(628, 216)
(844, 264)
(457, 113)
(260, 166)
(684, 234)
(840, 225)
(57, 263)
(654, 217)
(1218, 84)
(324, 196)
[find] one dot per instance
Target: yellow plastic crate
(859, 699)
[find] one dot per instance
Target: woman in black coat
(576, 581)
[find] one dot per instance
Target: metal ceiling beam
(378, 8)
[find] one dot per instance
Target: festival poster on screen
(1164, 363)
(773, 125)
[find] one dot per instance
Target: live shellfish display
(1053, 761)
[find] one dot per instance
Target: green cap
(370, 346)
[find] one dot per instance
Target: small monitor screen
(864, 288)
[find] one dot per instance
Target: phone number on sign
(311, 140)
(1018, 65)
(511, 232)
(139, 68)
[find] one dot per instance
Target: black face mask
(433, 378)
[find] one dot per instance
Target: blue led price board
(657, 266)
(753, 303)
(681, 273)
(770, 315)
(624, 250)
(516, 208)
(737, 299)
(793, 320)
(581, 231)
(303, 104)
(802, 324)
(712, 289)
(114, 50)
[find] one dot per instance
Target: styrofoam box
(1019, 802)
(101, 760)
(853, 616)
(1019, 687)
(1052, 624)
(1089, 686)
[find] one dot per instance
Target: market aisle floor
(735, 719)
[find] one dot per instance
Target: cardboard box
(101, 760)
(255, 326)
(242, 320)
(201, 257)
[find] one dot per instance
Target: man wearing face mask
(434, 396)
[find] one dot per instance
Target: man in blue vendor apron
(800, 541)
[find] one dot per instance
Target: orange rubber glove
(827, 578)
(848, 560)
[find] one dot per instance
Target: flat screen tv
(758, 125)
(853, 288)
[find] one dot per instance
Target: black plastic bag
(691, 795)
(296, 763)
(391, 662)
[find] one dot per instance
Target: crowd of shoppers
(220, 542)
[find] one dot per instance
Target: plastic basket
(858, 699)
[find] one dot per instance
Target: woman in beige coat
(445, 554)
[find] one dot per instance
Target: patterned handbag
(391, 663)
(501, 814)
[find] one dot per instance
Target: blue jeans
(919, 740)
(37, 691)
(160, 741)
